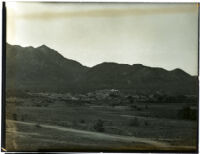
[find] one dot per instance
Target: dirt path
(98, 135)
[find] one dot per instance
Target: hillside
(44, 69)
(40, 68)
(140, 78)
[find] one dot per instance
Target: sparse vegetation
(17, 93)
(82, 121)
(130, 99)
(134, 122)
(14, 116)
(99, 126)
(146, 123)
(123, 119)
(187, 113)
(133, 106)
(138, 108)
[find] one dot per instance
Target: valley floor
(38, 123)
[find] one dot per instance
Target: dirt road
(97, 135)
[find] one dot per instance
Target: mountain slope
(139, 78)
(40, 67)
(44, 69)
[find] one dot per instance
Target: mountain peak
(47, 50)
(43, 47)
(179, 71)
(43, 68)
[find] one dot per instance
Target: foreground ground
(43, 123)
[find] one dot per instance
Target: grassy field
(38, 123)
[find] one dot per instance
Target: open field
(40, 122)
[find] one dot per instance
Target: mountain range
(44, 69)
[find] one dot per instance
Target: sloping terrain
(139, 78)
(40, 68)
(44, 69)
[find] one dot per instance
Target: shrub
(146, 123)
(82, 121)
(133, 107)
(130, 99)
(99, 126)
(139, 109)
(187, 113)
(134, 122)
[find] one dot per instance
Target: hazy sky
(158, 35)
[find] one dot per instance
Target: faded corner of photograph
(112, 77)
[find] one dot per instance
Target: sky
(152, 34)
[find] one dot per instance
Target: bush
(134, 122)
(82, 121)
(133, 106)
(187, 113)
(99, 126)
(139, 109)
(146, 123)
(113, 95)
(130, 99)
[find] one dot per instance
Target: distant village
(114, 94)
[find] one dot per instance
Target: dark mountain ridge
(44, 69)
(139, 78)
(40, 68)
